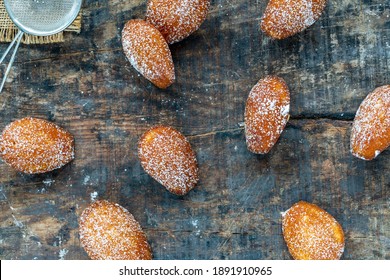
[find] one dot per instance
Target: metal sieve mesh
(38, 17)
(42, 17)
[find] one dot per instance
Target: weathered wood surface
(87, 86)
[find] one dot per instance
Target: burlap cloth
(8, 30)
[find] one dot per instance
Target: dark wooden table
(88, 87)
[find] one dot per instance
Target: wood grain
(86, 86)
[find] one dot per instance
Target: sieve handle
(17, 39)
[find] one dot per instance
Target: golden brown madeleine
(266, 114)
(311, 233)
(167, 156)
(284, 18)
(109, 232)
(177, 19)
(370, 133)
(32, 145)
(148, 52)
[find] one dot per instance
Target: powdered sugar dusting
(93, 196)
(177, 19)
(370, 133)
(266, 114)
(167, 156)
(62, 253)
(148, 52)
(109, 232)
(284, 18)
(308, 13)
(285, 110)
(34, 145)
(312, 233)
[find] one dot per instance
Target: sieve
(40, 18)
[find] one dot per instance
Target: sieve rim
(33, 31)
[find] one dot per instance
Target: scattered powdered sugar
(266, 113)
(167, 156)
(370, 133)
(93, 196)
(86, 180)
(48, 182)
(177, 19)
(308, 13)
(272, 104)
(284, 18)
(62, 253)
(108, 231)
(312, 233)
(285, 111)
(34, 145)
(148, 52)
(195, 223)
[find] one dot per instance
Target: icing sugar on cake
(108, 231)
(148, 52)
(177, 19)
(266, 113)
(284, 18)
(167, 156)
(33, 145)
(370, 133)
(311, 233)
